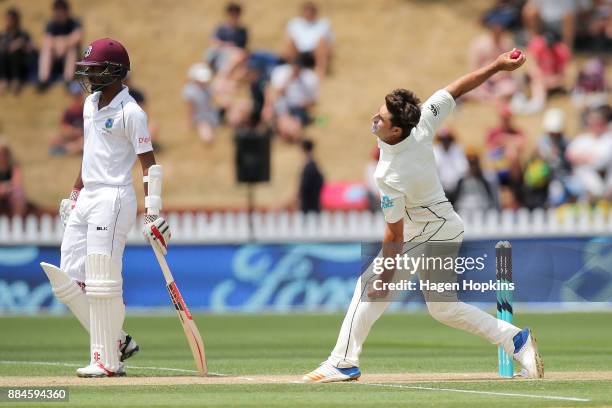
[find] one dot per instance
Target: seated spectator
(450, 160)
(290, 97)
(141, 100)
(508, 12)
(311, 181)
(12, 197)
(60, 46)
(310, 34)
(558, 16)
(590, 154)
(595, 28)
(246, 112)
(203, 116)
(227, 56)
(536, 179)
(549, 60)
(552, 146)
(69, 138)
(228, 43)
(15, 48)
(484, 49)
(591, 87)
(477, 190)
(505, 145)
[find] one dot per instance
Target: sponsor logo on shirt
(101, 228)
(434, 109)
(143, 140)
(109, 123)
(386, 202)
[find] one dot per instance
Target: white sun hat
(554, 121)
(199, 72)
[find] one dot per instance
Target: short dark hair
(233, 8)
(61, 5)
(307, 145)
(13, 13)
(405, 109)
(310, 5)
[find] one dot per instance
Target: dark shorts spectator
(60, 47)
(69, 137)
(12, 196)
(15, 49)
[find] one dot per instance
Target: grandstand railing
(226, 227)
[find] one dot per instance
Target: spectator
(370, 181)
(546, 72)
(484, 49)
(450, 160)
(246, 112)
(505, 145)
(15, 47)
(558, 16)
(591, 87)
(595, 28)
(310, 34)
(590, 154)
(536, 180)
(311, 181)
(60, 46)
(203, 116)
(69, 138)
(228, 43)
(477, 190)
(290, 97)
(552, 147)
(12, 197)
(508, 12)
(227, 56)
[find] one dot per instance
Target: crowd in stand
(283, 88)
(562, 169)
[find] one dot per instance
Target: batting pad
(107, 311)
(68, 292)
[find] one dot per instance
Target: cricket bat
(191, 330)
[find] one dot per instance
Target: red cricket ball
(515, 54)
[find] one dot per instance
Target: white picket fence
(226, 227)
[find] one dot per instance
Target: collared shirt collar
(396, 148)
(120, 97)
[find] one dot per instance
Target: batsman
(101, 209)
(418, 215)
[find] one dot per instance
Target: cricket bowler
(417, 211)
(102, 208)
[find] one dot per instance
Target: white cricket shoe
(326, 372)
(98, 371)
(526, 353)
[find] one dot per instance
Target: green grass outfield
(243, 345)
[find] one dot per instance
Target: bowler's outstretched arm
(475, 78)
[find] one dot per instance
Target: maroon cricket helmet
(107, 53)
(105, 50)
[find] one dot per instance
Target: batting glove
(67, 205)
(157, 229)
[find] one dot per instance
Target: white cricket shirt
(114, 135)
(406, 174)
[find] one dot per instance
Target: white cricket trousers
(98, 224)
(435, 223)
